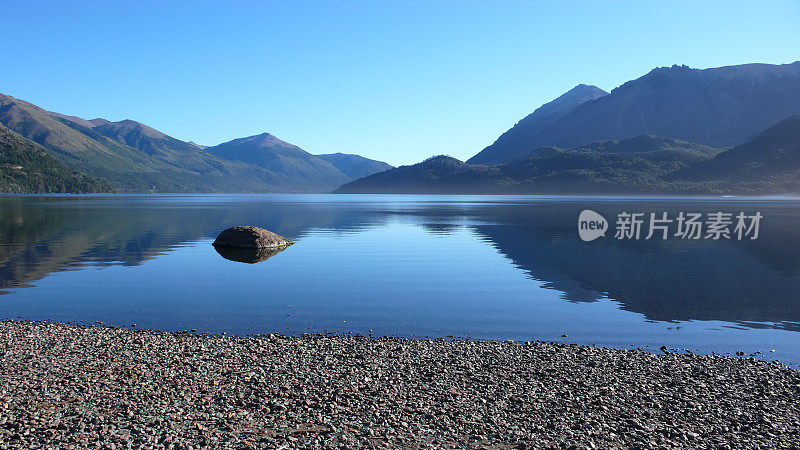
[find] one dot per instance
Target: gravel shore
(76, 387)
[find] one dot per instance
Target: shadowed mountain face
(439, 174)
(767, 164)
(718, 107)
(355, 166)
(754, 283)
(102, 156)
(648, 144)
(770, 162)
(637, 164)
(513, 144)
(25, 168)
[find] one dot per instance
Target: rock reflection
(248, 255)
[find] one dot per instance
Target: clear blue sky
(396, 81)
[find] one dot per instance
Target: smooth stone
(250, 237)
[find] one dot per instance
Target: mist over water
(483, 267)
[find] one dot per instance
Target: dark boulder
(251, 237)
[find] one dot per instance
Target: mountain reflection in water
(749, 283)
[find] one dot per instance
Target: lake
(478, 267)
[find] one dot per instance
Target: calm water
(488, 267)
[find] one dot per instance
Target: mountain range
(549, 170)
(719, 107)
(768, 163)
(675, 130)
(132, 157)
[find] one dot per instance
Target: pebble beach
(72, 386)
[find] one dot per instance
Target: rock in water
(250, 237)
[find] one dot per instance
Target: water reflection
(248, 255)
(42, 235)
(752, 284)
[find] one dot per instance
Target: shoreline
(75, 385)
(535, 196)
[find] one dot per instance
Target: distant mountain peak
(568, 101)
(98, 122)
(116, 128)
(584, 88)
(308, 173)
(128, 125)
(717, 107)
(355, 166)
(86, 123)
(754, 72)
(533, 123)
(423, 177)
(264, 140)
(442, 160)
